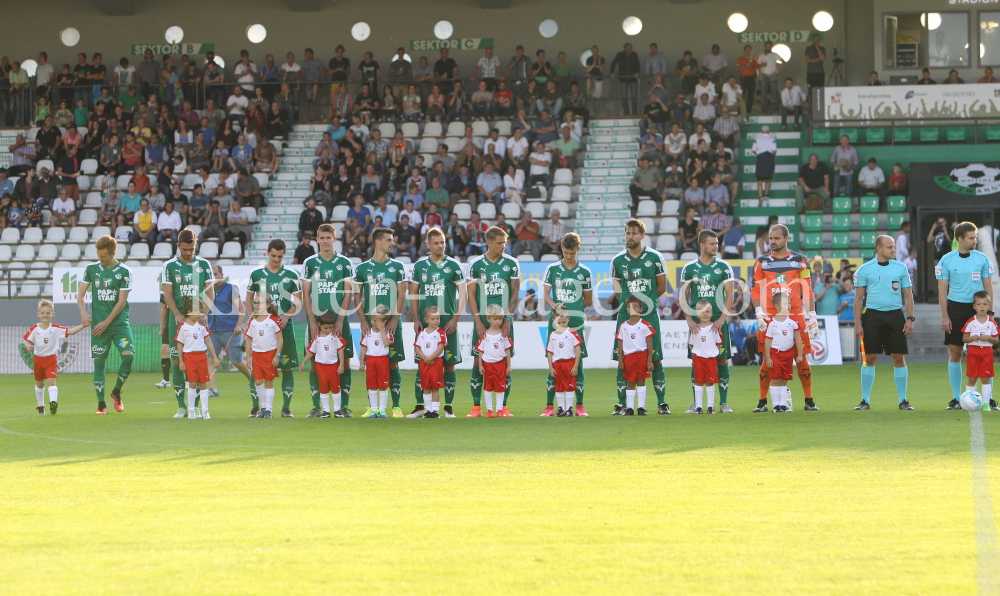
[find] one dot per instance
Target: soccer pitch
(829, 502)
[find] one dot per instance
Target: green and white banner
(911, 102)
(174, 49)
(803, 35)
(467, 43)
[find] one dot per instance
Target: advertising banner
(915, 102)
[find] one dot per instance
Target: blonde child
(563, 352)
(264, 342)
(43, 340)
(706, 345)
(191, 341)
(327, 353)
(494, 362)
(220, 156)
(635, 344)
(981, 334)
(783, 335)
(41, 110)
(430, 345)
(374, 360)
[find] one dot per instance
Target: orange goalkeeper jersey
(789, 274)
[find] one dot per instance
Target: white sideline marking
(988, 557)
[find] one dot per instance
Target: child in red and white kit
(191, 340)
(706, 346)
(783, 344)
(980, 333)
(430, 345)
(564, 362)
(494, 364)
(374, 359)
(264, 342)
(43, 341)
(327, 352)
(635, 349)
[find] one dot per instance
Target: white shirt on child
(974, 327)
(428, 341)
(493, 348)
(706, 343)
(325, 348)
(562, 346)
(264, 334)
(374, 343)
(782, 334)
(634, 336)
(192, 336)
(46, 341)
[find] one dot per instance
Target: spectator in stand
(552, 235)
(575, 103)
(68, 171)
(406, 238)
(595, 75)
(310, 219)
(361, 212)
(647, 182)
(517, 149)
(704, 112)
(144, 225)
(411, 104)
(988, 77)
(241, 156)
(305, 249)
(814, 179)
(704, 87)
(382, 210)
(844, 160)
(792, 100)
(454, 234)
(873, 80)
(446, 72)
(694, 195)
(540, 162)
(627, 62)
(546, 130)
(653, 113)
(528, 236)
(715, 64)
(717, 192)
(748, 68)
(459, 106)
(732, 97)
(541, 69)
(897, 180)
(673, 182)
(156, 199)
(438, 195)
(44, 189)
(31, 215)
(23, 156)
(311, 75)
(815, 57)
(655, 63)
(769, 64)
(197, 206)
(651, 146)
(475, 236)
(399, 73)
(687, 69)
(953, 78)
(519, 67)
(733, 241)
(765, 148)
(563, 73)
(567, 148)
(688, 229)
(716, 220)
(925, 78)
(513, 182)
(168, 224)
(490, 67)
(214, 224)
(265, 157)
(490, 187)
(482, 103)
(276, 123)
(237, 105)
(110, 209)
(549, 99)
(141, 180)
(6, 184)
(198, 153)
(727, 129)
(872, 180)
(63, 210)
(247, 190)
(409, 210)
(680, 113)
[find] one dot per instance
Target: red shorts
(635, 367)
(377, 372)
(706, 370)
(196, 367)
(495, 376)
(801, 321)
(329, 380)
(978, 362)
(565, 381)
(432, 375)
(45, 367)
(263, 367)
(781, 364)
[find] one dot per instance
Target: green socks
(659, 383)
(620, 382)
(287, 388)
(476, 382)
(253, 395)
(550, 390)
(124, 370)
(450, 379)
(177, 380)
(345, 386)
(314, 386)
(724, 382)
(580, 380)
(418, 391)
(99, 378)
(395, 385)
(506, 393)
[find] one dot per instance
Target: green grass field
(829, 502)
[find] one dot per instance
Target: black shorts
(959, 313)
(884, 331)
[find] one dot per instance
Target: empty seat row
(842, 222)
(868, 204)
(647, 207)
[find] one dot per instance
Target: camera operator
(940, 236)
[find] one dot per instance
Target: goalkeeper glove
(812, 325)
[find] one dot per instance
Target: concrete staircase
(604, 203)
(927, 338)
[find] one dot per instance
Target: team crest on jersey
(187, 277)
(261, 333)
(784, 332)
(647, 263)
(717, 272)
(423, 277)
(177, 279)
(274, 288)
(506, 268)
(118, 275)
(579, 276)
(895, 286)
(327, 348)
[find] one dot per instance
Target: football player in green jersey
(381, 281)
(182, 276)
(641, 272)
(285, 288)
(702, 279)
(112, 283)
(437, 280)
(327, 287)
(494, 278)
(568, 285)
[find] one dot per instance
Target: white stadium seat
(668, 225)
(162, 250)
(231, 250)
(340, 213)
(122, 234)
(78, 234)
(480, 129)
(224, 262)
(209, 250)
(4, 254)
(32, 133)
(251, 214)
(456, 129)
(511, 211)
(154, 263)
(88, 217)
(93, 200)
(671, 207)
(503, 126)
(563, 176)
(650, 224)
(46, 164)
(428, 145)
(689, 256)
(39, 270)
(322, 210)
(263, 180)
(562, 206)
(463, 210)
(90, 253)
(47, 252)
(140, 251)
(17, 271)
(549, 258)
(195, 229)
(537, 210)
(88, 166)
(61, 263)
(83, 182)
(647, 241)
(525, 258)
(666, 243)
(123, 182)
(29, 289)
(10, 236)
(99, 231)
(25, 252)
(561, 193)
(70, 252)
(646, 207)
(411, 130)
(405, 260)
(388, 130)
(121, 251)
(453, 143)
(32, 236)
(487, 211)
(338, 246)
(191, 179)
(132, 263)
(433, 129)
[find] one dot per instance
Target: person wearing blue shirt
(828, 297)
(6, 184)
(241, 155)
(359, 211)
(737, 333)
(883, 286)
(845, 306)
(960, 274)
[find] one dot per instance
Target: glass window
(935, 39)
(989, 38)
(904, 41)
(948, 43)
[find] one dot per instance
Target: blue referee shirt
(883, 283)
(965, 274)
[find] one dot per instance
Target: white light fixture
(548, 28)
(823, 21)
(405, 57)
(443, 30)
(738, 22)
(931, 20)
(70, 37)
(784, 51)
(256, 33)
(632, 26)
(982, 50)
(585, 56)
(29, 66)
(174, 34)
(361, 31)
(219, 61)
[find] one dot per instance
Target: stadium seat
(561, 193)
(867, 239)
(688, 256)
(821, 136)
(511, 211)
(93, 200)
(154, 263)
(195, 229)
(227, 262)
(411, 130)
(428, 145)
(123, 182)
(132, 263)
(17, 271)
(842, 205)
(433, 129)
(896, 220)
(89, 167)
(83, 183)
(670, 207)
(812, 223)
(562, 176)
(537, 210)
(929, 134)
(45, 164)
(646, 207)
(47, 252)
(140, 251)
(869, 204)
(480, 129)
(232, 250)
(263, 180)
(29, 289)
(61, 263)
(902, 135)
(209, 250)
(649, 222)
(525, 258)
(841, 240)
(666, 243)
(251, 214)
(32, 133)
(322, 210)
(39, 269)
(4, 254)
(549, 258)
(70, 252)
(563, 208)
(122, 233)
(668, 225)
(955, 134)
(10, 236)
(869, 221)
(46, 217)
(78, 234)
(340, 213)
(90, 253)
(896, 203)
(25, 252)
(32, 236)
(191, 179)
(388, 130)
(463, 210)
(841, 223)
(875, 135)
(456, 129)
(812, 241)
(852, 134)
(839, 254)
(88, 217)
(647, 241)
(503, 127)
(487, 211)
(121, 251)
(993, 133)
(453, 144)
(403, 259)
(163, 250)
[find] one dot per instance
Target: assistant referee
(881, 285)
(960, 275)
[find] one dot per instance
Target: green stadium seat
(993, 133)
(955, 134)
(841, 240)
(812, 241)
(929, 134)
(896, 220)
(903, 135)
(867, 239)
(897, 203)
(869, 221)
(868, 254)
(812, 223)
(841, 223)
(821, 136)
(842, 205)
(839, 254)
(875, 135)
(812, 253)
(869, 204)
(852, 134)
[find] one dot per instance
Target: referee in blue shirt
(960, 274)
(881, 285)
